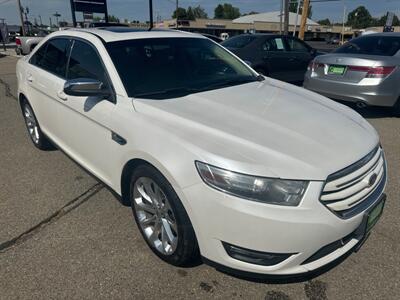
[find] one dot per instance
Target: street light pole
(21, 17)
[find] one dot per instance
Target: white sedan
(255, 175)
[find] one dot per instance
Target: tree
(226, 11)
(199, 12)
(113, 19)
(360, 18)
(180, 13)
(325, 22)
(293, 8)
(189, 14)
(382, 21)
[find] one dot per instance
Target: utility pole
(297, 17)
(304, 15)
(51, 23)
(280, 18)
(286, 24)
(40, 18)
(21, 17)
(151, 14)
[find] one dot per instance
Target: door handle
(62, 95)
(29, 78)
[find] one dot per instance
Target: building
(264, 22)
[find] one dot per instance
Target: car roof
(114, 34)
(395, 34)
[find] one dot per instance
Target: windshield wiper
(163, 94)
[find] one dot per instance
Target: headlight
(261, 189)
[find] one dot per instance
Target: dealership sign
(91, 6)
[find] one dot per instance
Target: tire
(163, 221)
(32, 125)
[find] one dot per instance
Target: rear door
(45, 76)
(300, 57)
(277, 59)
(86, 133)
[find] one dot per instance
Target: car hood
(266, 128)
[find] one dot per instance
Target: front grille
(356, 187)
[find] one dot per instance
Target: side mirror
(313, 52)
(85, 87)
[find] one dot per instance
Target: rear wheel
(161, 217)
(32, 125)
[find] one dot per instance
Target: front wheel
(161, 217)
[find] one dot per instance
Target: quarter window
(38, 56)
(85, 63)
(53, 56)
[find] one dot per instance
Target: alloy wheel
(31, 124)
(155, 215)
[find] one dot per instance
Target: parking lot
(64, 235)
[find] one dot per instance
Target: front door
(300, 57)
(85, 121)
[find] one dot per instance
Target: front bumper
(301, 231)
(378, 93)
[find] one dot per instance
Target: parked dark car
(213, 37)
(282, 57)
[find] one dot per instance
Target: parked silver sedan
(365, 70)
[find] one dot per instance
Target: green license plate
(336, 70)
(374, 215)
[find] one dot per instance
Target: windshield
(239, 41)
(372, 45)
(162, 67)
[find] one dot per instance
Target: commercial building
(264, 22)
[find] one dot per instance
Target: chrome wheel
(155, 215)
(31, 124)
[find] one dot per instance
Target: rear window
(372, 45)
(238, 41)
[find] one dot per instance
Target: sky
(138, 9)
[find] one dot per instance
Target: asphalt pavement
(63, 235)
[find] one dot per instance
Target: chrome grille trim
(347, 189)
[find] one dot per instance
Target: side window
(52, 56)
(37, 58)
(297, 46)
(55, 60)
(274, 44)
(85, 63)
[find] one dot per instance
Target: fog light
(255, 257)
